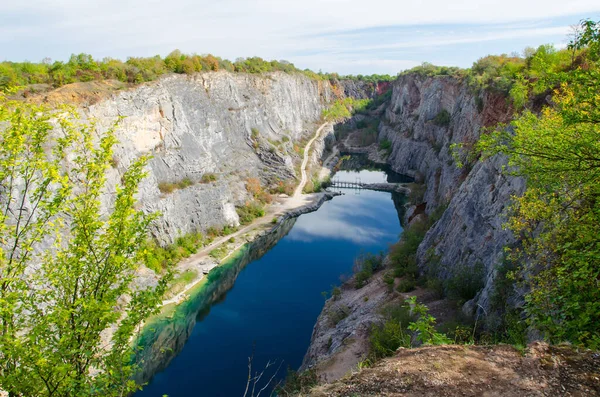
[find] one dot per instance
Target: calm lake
(275, 299)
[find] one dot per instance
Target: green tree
(68, 308)
(558, 152)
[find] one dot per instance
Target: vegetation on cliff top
(135, 70)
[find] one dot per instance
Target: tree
(558, 152)
(68, 307)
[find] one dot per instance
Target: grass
(182, 280)
(160, 258)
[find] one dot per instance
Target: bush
(406, 285)
(160, 258)
(386, 145)
(424, 326)
(364, 267)
(336, 293)
(337, 313)
(249, 212)
(442, 119)
(208, 177)
(166, 187)
(385, 339)
(170, 187)
(466, 282)
(298, 382)
(403, 255)
(185, 182)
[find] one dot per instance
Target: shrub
(336, 293)
(403, 254)
(442, 119)
(254, 187)
(386, 145)
(364, 266)
(249, 212)
(406, 285)
(298, 382)
(385, 339)
(170, 187)
(466, 282)
(337, 313)
(185, 182)
(424, 326)
(208, 177)
(160, 258)
(166, 187)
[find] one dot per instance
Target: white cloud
(274, 29)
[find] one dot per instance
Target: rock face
(424, 117)
(234, 126)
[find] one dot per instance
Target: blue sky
(346, 36)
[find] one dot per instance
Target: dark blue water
(275, 301)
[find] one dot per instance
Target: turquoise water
(275, 300)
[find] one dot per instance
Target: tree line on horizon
(135, 70)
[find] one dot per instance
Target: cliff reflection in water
(165, 335)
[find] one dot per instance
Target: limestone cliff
(424, 117)
(234, 126)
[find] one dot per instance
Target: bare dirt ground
(492, 371)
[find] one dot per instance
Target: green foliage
(170, 187)
(557, 151)
(208, 178)
(402, 323)
(336, 293)
(386, 145)
(344, 108)
(428, 70)
(465, 282)
(384, 340)
(424, 326)
(82, 68)
(442, 119)
(337, 313)
(160, 258)
(53, 320)
(249, 212)
(403, 255)
(364, 267)
(298, 382)
(406, 285)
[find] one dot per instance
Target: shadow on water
(164, 337)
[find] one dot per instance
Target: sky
(344, 36)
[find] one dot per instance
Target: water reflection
(274, 303)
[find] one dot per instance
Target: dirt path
(274, 210)
(303, 180)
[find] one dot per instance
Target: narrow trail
(297, 200)
(304, 178)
